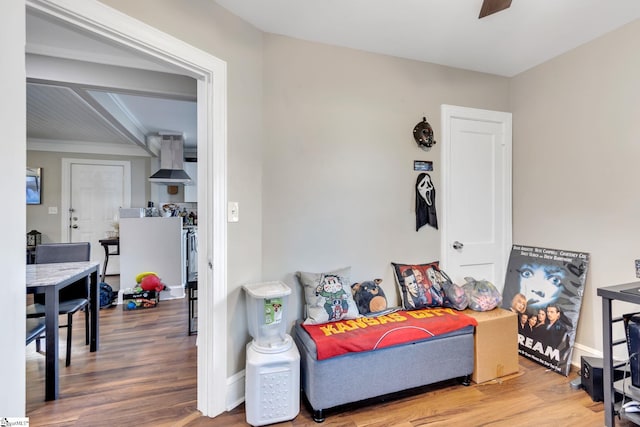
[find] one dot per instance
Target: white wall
(12, 175)
(339, 183)
(575, 163)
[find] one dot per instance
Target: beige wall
(339, 183)
(575, 163)
(38, 217)
(205, 25)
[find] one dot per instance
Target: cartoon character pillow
(369, 297)
(418, 285)
(328, 296)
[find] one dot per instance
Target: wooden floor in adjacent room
(145, 375)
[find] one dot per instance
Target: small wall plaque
(422, 165)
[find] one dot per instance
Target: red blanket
(370, 333)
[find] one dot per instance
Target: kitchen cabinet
(610, 387)
(191, 190)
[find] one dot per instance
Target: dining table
(49, 279)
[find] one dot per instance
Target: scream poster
(545, 287)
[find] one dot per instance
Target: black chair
(74, 297)
(192, 301)
(35, 329)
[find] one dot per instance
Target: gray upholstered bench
(348, 378)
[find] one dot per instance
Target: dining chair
(35, 329)
(74, 297)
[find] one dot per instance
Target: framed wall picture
(34, 186)
(422, 165)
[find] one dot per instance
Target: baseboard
(235, 390)
(580, 350)
(172, 292)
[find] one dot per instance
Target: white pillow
(328, 296)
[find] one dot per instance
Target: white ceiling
(446, 32)
(85, 94)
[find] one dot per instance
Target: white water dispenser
(272, 373)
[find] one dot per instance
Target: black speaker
(591, 370)
(632, 324)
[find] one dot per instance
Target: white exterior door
(476, 193)
(96, 189)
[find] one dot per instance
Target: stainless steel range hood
(171, 170)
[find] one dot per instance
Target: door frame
(211, 74)
(65, 188)
(447, 113)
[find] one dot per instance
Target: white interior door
(96, 190)
(476, 193)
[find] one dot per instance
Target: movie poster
(545, 287)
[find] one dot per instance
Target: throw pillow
(328, 296)
(369, 297)
(418, 285)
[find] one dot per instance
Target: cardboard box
(140, 300)
(496, 344)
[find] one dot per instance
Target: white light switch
(232, 212)
(53, 210)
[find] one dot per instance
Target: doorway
(92, 193)
(476, 188)
(98, 20)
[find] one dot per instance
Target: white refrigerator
(153, 244)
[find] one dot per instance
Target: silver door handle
(457, 245)
(74, 226)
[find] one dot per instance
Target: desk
(105, 244)
(49, 279)
(608, 295)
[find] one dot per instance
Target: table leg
(607, 371)
(52, 337)
(94, 308)
(106, 261)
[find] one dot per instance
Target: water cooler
(272, 374)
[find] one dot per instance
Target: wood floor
(145, 375)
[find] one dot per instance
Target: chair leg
(69, 330)
(86, 325)
(38, 344)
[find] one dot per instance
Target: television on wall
(34, 186)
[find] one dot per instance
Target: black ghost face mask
(425, 202)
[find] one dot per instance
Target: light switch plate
(232, 212)
(53, 210)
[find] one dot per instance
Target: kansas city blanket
(370, 333)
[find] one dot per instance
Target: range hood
(171, 170)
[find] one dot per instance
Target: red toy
(152, 283)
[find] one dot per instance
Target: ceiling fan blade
(492, 6)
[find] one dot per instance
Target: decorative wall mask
(425, 202)
(423, 134)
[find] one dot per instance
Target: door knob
(74, 226)
(457, 245)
